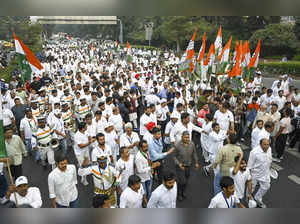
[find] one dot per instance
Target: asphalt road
(284, 192)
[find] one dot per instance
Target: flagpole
(2, 144)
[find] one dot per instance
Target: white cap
(175, 114)
(108, 124)
(21, 180)
(163, 101)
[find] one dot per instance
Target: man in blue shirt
(156, 151)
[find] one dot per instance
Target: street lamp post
(149, 31)
(121, 32)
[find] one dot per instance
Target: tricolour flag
(129, 52)
(255, 58)
(218, 42)
(246, 55)
(223, 58)
(186, 62)
(210, 56)
(69, 37)
(236, 69)
(202, 49)
(27, 60)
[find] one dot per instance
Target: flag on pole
(236, 69)
(116, 46)
(246, 55)
(186, 62)
(2, 141)
(129, 52)
(210, 56)
(27, 60)
(218, 42)
(224, 56)
(254, 60)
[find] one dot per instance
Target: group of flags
(217, 60)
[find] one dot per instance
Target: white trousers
(264, 186)
(47, 152)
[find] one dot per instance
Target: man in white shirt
(62, 183)
(28, 125)
(255, 133)
(25, 195)
(241, 176)
(81, 147)
(165, 195)
(226, 198)
(133, 196)
(130, 139)
(181, 126)
(224, 117)
(259, 163)
(144, 120)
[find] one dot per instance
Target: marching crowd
(122, 119)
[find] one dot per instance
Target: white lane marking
(293, 152)
(276, 167)
(295, 179)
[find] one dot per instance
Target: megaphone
(54, 144)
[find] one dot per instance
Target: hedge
(280, 68)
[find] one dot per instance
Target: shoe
(205, 171)
(276, 160)
(242, 139)
(3, 200)
(281, 158)
(261, 204)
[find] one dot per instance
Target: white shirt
(117, 122)
(255, 137)
(240, 179)
(32, 198)
(262, 134)
(126, 169)
(62, 185)
(219, 201)
(179, 128)
(162, 197)
(143, 170)
(80, 138)
(7, 116)
(91, 130)
(58, 124)
(216, 141)
(28, 126)
(259, 163)
(280, 101)
(131, 199)
(168, 130)
(100, 124)
(144, 120)
(126, 141)
(224, 119)
(98, 152)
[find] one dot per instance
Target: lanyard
(129, 139)
(227, 201)
(30, 123)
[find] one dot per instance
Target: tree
(277, 39)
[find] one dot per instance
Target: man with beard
(62, 184)
(24, 194)
(106, 178)
(165, 195)
(241, 176)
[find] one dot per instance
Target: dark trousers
(162, 125)
(159, 170)
(73, 204)
(280, 144)
(16, 171)
(182, 179)
(295, 139)
(3, 186)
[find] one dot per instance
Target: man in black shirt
(36, 84)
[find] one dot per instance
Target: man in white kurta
(259, 163)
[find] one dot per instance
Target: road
(284, 192)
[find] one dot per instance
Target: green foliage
(296, 57)
(277, 39)
(280, 68)
(7, 72)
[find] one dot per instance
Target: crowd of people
(122, 119)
